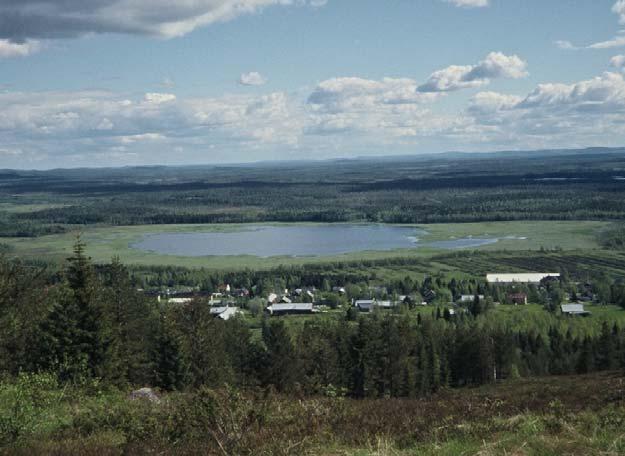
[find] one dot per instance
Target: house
(364, 305)
(241, 292)
(290, 309)
(272, 298)
(517, 298)
(534, 277)
(429, 295)
(470, 298)
(367, 305)
(225, 313)
(574, 309)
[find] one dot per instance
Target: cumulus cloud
(93, 122)
(559, 115)
(252, 79)
(469, 3)
(456, 77)
(24, 19)
(349, 114)
(353, 93)
(373, 109)
(11, 49)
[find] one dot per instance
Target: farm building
(517, 298)
(225, 313)
(179, 300)
(290, 309)
(533, 277)
(367, 305)
(574, 309)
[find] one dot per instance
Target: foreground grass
(106, 242)
(577, 415)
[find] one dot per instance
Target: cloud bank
(21, 20)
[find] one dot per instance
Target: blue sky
(123, 82)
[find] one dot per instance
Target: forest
(569, 185)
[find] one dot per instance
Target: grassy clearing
(105, 242)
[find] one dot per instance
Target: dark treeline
(437, 190)
(88, 324)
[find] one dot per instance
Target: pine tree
(74, 332)
(282, 365)
(168, 362)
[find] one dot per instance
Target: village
(448, 299)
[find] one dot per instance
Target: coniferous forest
(86, 330)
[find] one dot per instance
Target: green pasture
(104, 242)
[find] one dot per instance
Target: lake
(295, 241)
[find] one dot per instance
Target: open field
(106, 242)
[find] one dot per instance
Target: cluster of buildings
(301, 301)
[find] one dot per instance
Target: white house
(225, 313)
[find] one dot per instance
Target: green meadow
(104, 242)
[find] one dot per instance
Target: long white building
(532, 277)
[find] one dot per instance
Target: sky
(144, 82)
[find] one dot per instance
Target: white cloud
(456, 77)
(252, 79)
(94, 122)
(158, 98)
(130, 139)
(618, 61)
(372, 110)
(162, 18)
(485, 102)
(617, 41)
(565, 44)
(469, 3)
(344, 115)
(584, 113)
(10, 49)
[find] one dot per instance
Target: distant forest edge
(572, 185)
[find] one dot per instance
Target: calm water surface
(295, 240)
